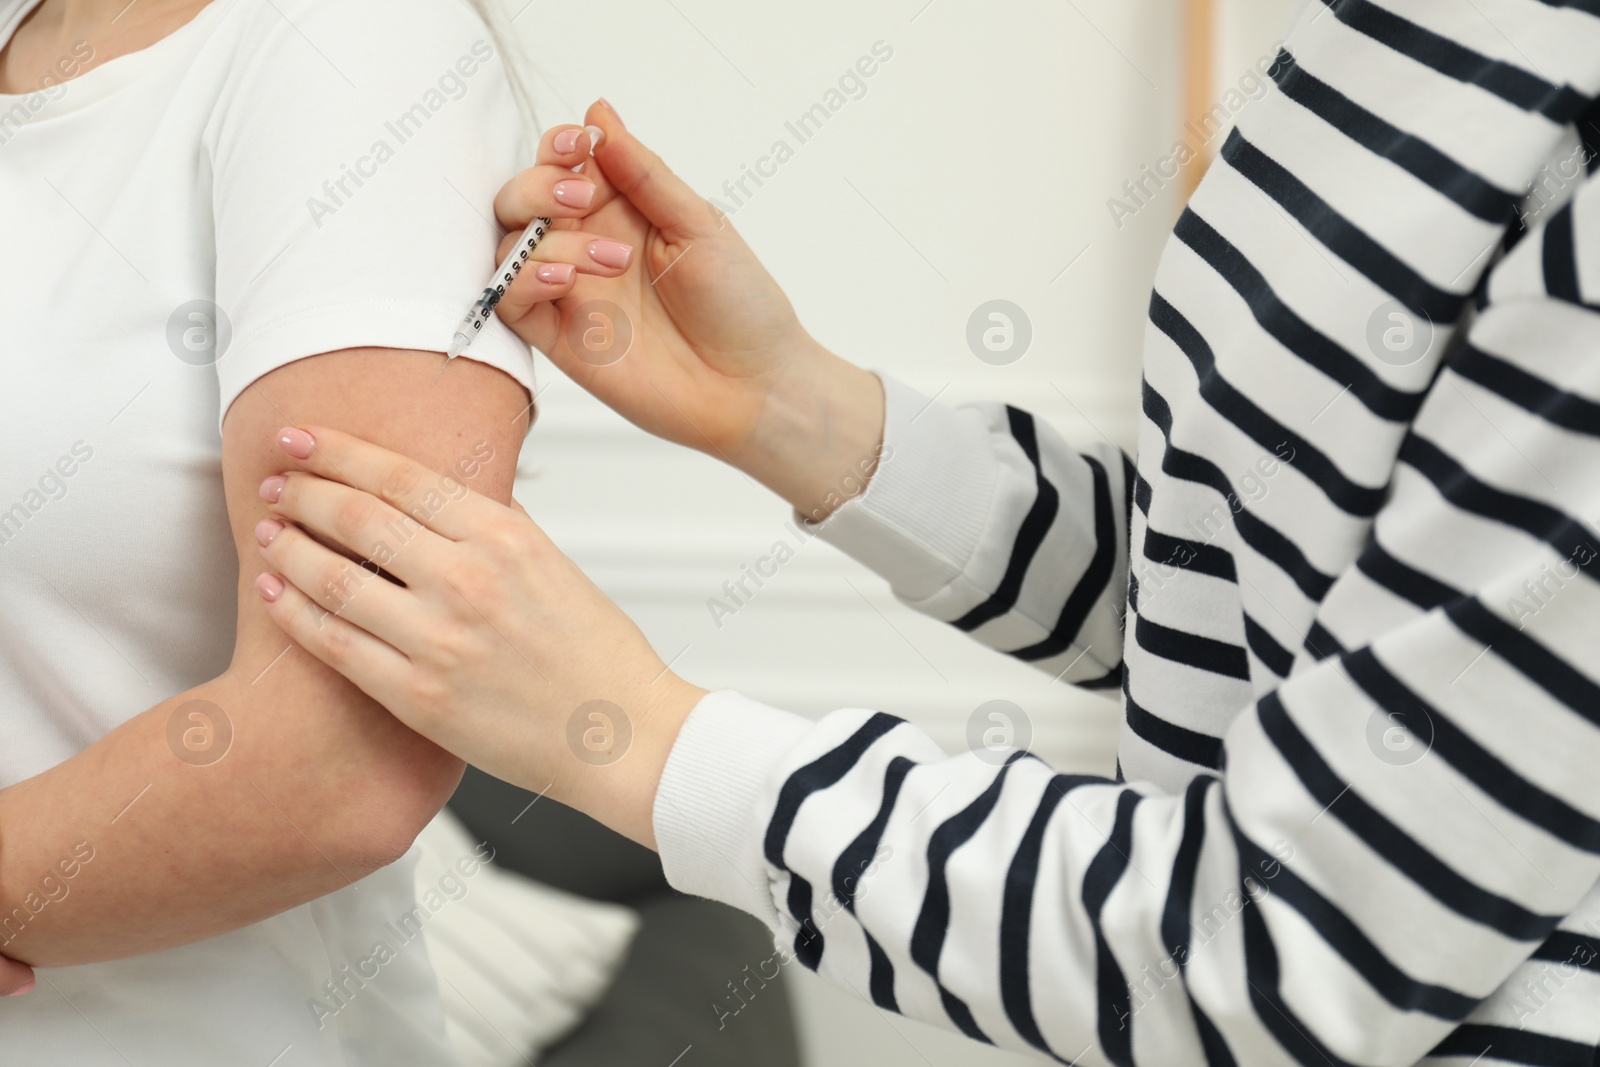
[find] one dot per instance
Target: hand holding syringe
(554, 188)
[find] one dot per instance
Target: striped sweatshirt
(1348, 593)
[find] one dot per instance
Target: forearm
(1058, 913)
(985, 517)
(622, 794)
(819, 436)
(149, 839)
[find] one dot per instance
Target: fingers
(375, 667)
(554, 192)
(588, 253)
(640, 175)
(555, 186)
(573, 146)
(559, 185)
(339, 586)
(440, 502)
(355, 519)
(562, 256)
(15, 978)
(566, 146)
(535, 282)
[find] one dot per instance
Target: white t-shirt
(323, 171)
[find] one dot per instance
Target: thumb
(649, 184)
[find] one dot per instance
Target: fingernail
(609, 106)
(613, 254)
(596, 135)
(20, 990)
(566, 141)
(272, 488)
(556, 273)
(574, 193)
(269, 587)
(297, 443)
(266, 530)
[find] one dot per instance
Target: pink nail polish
(266, 530)
(269, 587)
(555, 273)
(566, 141)
(272, 488)
(574, 193)
(611, 108)
(20, 990)
(613, 254)
(296, 442)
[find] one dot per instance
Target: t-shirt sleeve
(356, 150)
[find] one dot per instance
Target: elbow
(383, 819)
(349, 785)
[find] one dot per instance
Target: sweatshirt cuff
(924, 512)
(716, 790)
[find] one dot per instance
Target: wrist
(620, 793)
(817, 440)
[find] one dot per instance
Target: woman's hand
(15, 978)
(497, 647)
(695, 342)
(556, 188)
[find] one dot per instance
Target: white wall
(1247, 32)
(977, 166)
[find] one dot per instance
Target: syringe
(483, 309)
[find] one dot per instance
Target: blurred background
(1020, 151)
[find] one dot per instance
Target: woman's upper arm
(304, 785)
(335, 235)
(395, 779)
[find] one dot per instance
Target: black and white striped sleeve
(1025, 546)
(1320, 901)
(1316, 905)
